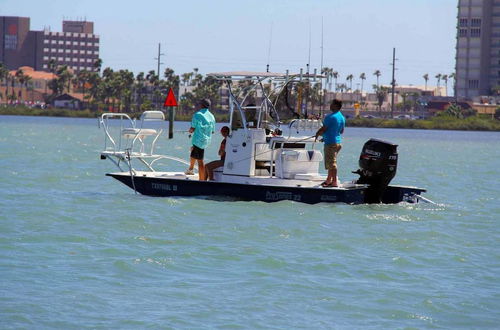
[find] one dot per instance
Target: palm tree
(154, 80)
(139, 85)
(377, 73)
(52, 65)
(20, 78)
(98, 65)
(426, 78)
(327, 72)
(335, 76)
(28, 83)
(454, 77)
(445, 79)
(81, 79)
(4, 75)
(362, 76)
(349, 78)
(438, 77)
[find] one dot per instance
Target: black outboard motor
(378, 163)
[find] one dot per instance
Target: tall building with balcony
(477, 65)
(76, 46)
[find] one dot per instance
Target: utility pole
(159, 60)
(158, 71)
(393, 83)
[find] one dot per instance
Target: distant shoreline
(474, 123)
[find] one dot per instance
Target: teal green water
(79, 250)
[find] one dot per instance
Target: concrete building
(76, 46)
(478, 48)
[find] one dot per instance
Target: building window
(75, 59)
(75, 43)
(60, 50)
(475, 22)
(45, 58)
(68, 43)
(463, 22)
(75, 51)
(45, 66)
(474, 83)
(475, 33)
(61, 42)
(46, 50)
(67, 51)
(60, 59)
(67, 59)
(462, 33)
(53, 42)
(46, 41)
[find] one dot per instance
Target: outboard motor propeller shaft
(377, 167)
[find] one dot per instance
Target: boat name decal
(373, 153)
(282, 195)
(328, 198)
(163, 186)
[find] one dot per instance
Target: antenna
(269, 49)
(321, 72)
(309, 58)
(321, 66)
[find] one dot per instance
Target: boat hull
(169, 187)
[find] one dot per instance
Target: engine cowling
(378, 163)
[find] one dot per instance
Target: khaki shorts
(331, 151)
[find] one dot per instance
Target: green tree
(381, 92)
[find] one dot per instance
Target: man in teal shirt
(333, 127)
(202, 128)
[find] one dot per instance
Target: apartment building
(76, 46)
(478, 48)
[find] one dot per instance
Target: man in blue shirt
(202, 128)
(333, 127)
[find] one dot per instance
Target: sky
(352, 36)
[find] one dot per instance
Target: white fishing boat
(263, 161)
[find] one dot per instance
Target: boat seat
(133, 132)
